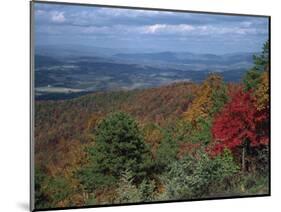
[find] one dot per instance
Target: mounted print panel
(135, 105)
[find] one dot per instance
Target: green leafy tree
(202, 133)
(188, 133)
(219, 96)
(253, 77)
(166, 152)
(261, 61)
(118, 146)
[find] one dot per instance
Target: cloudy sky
(148, 30)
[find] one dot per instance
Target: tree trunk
(243, 158)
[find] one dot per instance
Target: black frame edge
(31, 108)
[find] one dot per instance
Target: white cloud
(154, 28)
(171, 30)
(165, 28)
(186, 29)
(57, 17)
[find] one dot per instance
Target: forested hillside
(179, 141)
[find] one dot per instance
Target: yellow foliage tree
(211, 95)
(261, 94)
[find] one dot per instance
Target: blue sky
(146, 30)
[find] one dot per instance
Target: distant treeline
(60, 96)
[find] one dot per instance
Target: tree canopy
(118, 146)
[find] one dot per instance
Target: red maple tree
(240, 124)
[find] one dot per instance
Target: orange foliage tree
(211, 96)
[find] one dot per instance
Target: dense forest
(179, 141)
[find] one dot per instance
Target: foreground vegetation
(181, 141)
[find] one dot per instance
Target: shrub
(128, 192)
(194, 177)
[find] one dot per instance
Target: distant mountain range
(69, 70)
(186, 58)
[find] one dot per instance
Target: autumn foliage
(211, 96)
(244, 120)
(184, 140)
(238, 122)
(261, 95)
